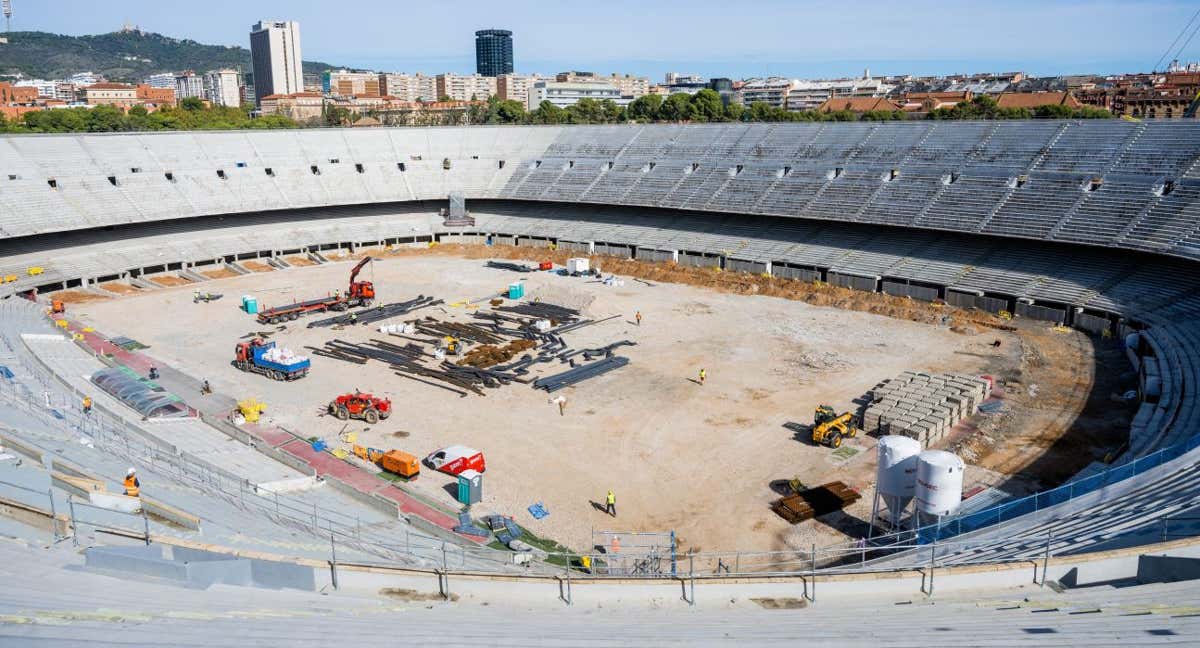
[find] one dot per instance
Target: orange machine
(57, 306)
(393, 461)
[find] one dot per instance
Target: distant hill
(120, 56)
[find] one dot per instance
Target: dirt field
(695, 459)
(256, 266)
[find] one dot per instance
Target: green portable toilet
(470, 487)
(250, 304)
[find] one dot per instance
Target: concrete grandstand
(1093, 225)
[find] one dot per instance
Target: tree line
(704, 106)
(190, 114)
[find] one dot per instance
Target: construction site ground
(702, 460)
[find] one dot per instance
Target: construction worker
(703, 375)
(610, 504)
(205, 388)
(353, 318)
(638, 317)
(87, 404)
(133, 487)
(153, 373)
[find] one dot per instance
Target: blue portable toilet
(516, 290)
(250, 304)
(470, 487)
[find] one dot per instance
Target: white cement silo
(895, 477)
(939, 483)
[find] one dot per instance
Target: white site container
(577, 265)
(939, 483)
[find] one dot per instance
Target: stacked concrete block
(923, 406)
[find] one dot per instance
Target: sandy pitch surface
(695, 459)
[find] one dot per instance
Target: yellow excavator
(829, 427)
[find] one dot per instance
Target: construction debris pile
(924, 406)
(377, 313)
(815, 502)
(500, 335)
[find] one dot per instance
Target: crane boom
(358, 268)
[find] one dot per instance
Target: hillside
(119, 56)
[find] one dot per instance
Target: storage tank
(939, 482)
(896, 476)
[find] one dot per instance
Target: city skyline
(708, 38)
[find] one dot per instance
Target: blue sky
(725, 38)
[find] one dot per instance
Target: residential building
(568, 94)
(627, 84)
(773, 91)
(493, 52)
(686, 83)
(81, 79)
(462, 87)
(44, 88)
(275, 53)
(223, 88)
(16, 100)
(927, 101)
(859, 104)
(110, 94)
(248, 97)
(161, 80)
(1151, 96)
(1032, 100)
(187, 84)
(300, 106)
(811, 95)
(68, 92)
(516, 87)
(344, 83)
(408, 87)
(155, 98)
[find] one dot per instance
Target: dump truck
(262, 357)
(359, 405)
(360, 293)
(829, 427)
(396, 462)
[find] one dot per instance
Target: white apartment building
(773, 91)
(568, 94)
(344, 83)
(161, 80)
(187, 84)
(48, 89)
(809, 95)
(80, 79)
(275, 52)
(464, 87)
(223, 88)
(516, 87)
(408, 87)
(627, 84)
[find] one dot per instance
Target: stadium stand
(1094, 224)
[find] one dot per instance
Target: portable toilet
(470, 487)
(516, 290)
(250, 304)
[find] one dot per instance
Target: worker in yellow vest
(133, 487)
(703, 375)
(87, 404)
(610, 504)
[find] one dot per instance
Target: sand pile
(490, 354)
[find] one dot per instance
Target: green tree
(760, 111)
(645, 108)
(677, 107)
(106, 119)
(548, 113)
(511, 111)
(1053, 111)
(735, 111)
(612, 113)
(706, 106)
(191, 103)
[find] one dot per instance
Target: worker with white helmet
(133, 487)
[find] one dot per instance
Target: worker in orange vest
(133, 487)
(87, 404)
(638, 317)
